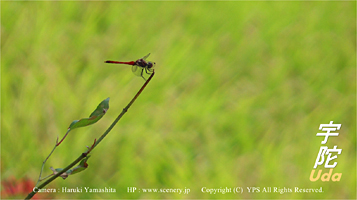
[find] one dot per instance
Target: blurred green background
(237, 99)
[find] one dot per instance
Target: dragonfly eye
(150, 65)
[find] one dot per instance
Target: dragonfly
(139, 66)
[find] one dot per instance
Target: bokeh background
(237, 99)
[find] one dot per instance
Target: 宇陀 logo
(325, 155)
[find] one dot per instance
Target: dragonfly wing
(134, 68)
(146, 56)
(137, 70)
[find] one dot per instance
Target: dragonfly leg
(142, 74)
(147, 71)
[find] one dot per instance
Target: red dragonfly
(138, 66)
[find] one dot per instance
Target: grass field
(237, 99)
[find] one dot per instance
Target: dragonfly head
(150, 65)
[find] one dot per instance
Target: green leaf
(96, 115)
(60, 169)
(82, 166)
(64, 175)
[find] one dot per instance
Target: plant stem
(58, 143)
(43, 164)
(124, 111)
(83, 155)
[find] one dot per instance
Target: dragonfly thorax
(141, 63)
